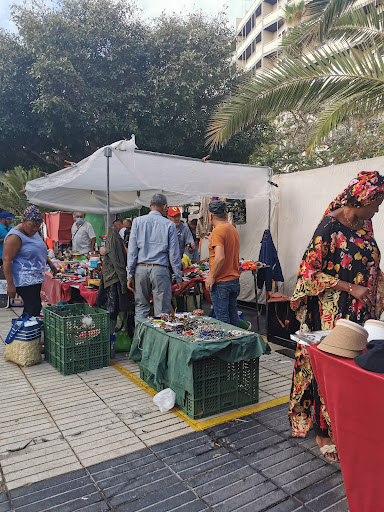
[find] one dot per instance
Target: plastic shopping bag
(165, 400)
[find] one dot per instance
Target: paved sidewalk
(95, 441)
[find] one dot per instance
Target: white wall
(303, 198)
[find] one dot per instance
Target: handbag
(22, 344)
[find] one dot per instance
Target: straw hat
(347, 339)
(375, 329)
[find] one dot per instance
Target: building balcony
(271, 47)
(273, 17)
(251, 36)
(255, 57)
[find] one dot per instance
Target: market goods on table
(208, 375)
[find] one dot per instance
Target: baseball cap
(6, 215)
(217, 207)
(118, 218)
(173, 210)
(193, 216)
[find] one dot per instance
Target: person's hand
(362, 294)
(209, 282)
(131, 285)
(179, 286)
(11, 291)
(191, 247)
(209, 236)
(54, 271)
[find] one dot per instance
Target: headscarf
(361, 191)
(34, 214)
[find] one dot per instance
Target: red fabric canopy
(59, 226)
(354, 400)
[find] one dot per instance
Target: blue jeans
(224, 299)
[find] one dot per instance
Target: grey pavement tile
(93, 507)
(269, 451)
(246, 498)
(72, 503)
(289, 505)
(320, 488)
(324, 501)
(3, 496)
(137, 488)
(124, 472)
(167, 448)
(190, 451)
(288, 464)
(227, 473)
(298, 472)
(341, 506)
(201, 463)
(309, 479)
(233, 489)
(281, 454)
(269, 500)
(138, 493)
(260, 443)
(4, 506)
(192, 506)
(163, 500)
(140, 455)
(52, 491)
(52, 482)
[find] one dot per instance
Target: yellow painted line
(195, 424)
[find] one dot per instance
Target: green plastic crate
(70, 347)
(218, 386)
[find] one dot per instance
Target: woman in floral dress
(339, 277)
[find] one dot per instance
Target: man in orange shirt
(224, 270)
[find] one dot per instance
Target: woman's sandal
(327, 450)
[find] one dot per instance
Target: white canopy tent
(134, 176)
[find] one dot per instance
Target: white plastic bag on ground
(165, 400)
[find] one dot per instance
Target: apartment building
(259, 34)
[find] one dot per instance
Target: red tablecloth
(186, 285)
(354, 399)
(55, 291)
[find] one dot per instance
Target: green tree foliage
(284, 149)
(85, 73)
(12, 185)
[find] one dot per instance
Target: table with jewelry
(179, 352)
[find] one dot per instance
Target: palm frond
(321, 77)
(322, 16)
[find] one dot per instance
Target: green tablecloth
(168, 357)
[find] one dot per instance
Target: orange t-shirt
(225, 235)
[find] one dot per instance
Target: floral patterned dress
(335, 253)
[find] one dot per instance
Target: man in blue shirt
(5, 226)
(153, 247)
(183, 232)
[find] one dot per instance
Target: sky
(152, 8)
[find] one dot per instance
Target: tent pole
(270, 201)
(108, 155)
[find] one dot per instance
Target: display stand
(254, 273)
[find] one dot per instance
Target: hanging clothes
(268, 255)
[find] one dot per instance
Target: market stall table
(225, 367)
(354, 399)
(54, 290)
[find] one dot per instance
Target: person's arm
(361, 293)
(189, 242)
(174, 254)
(51, 266)
(11, 247)
(132, 255)
(217, 265)
(93, 241)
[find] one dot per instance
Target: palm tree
(294, 12)
(15, 180)
(344, 74)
